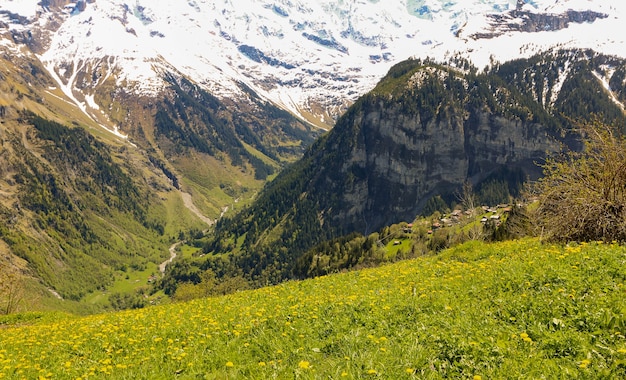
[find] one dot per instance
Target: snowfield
(298, 54)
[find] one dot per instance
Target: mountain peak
(311, 58)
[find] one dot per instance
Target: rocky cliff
(398, 162)
(521, 20)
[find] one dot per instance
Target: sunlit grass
(507, 310)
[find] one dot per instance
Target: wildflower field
(478, 311)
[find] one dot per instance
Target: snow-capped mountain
(312, 58)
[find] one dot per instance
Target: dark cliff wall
(399, 161)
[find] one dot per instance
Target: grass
(395, 246)
(215, 184)
(177, 216)
(125, 283)
(506, 310)
(187, 251)
(260, 155)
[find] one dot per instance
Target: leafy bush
(582, 196)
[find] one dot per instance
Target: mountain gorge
(98, 180)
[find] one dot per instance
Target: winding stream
(191, 207)
(173, 247)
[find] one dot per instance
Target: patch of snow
(607, 87)
(91, 102)
(556, 90)
(67, 89)
(23, 8)
(603, 36)
(55, 293)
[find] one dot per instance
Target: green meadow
(511, 310)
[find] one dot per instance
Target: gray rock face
(398, 162)
(529, 22)
(422, 132)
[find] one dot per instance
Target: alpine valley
(130, 126)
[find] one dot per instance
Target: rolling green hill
(518, 309)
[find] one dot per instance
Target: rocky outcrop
(76, 6)
(81, 5)
(524, 21)
(55, 3)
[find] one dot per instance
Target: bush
(439, 241)
(582, 196)
(120, 301)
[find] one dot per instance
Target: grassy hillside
(507, 310)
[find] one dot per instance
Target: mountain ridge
(282, 51)
(426, 129)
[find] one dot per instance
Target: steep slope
(511, 310)
(423, 131)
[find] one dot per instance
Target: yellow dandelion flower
(304, 364)
(477, 377)
(230, 364)
(261, 364)
(410, 371)
(371, 372)
(584, 363)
